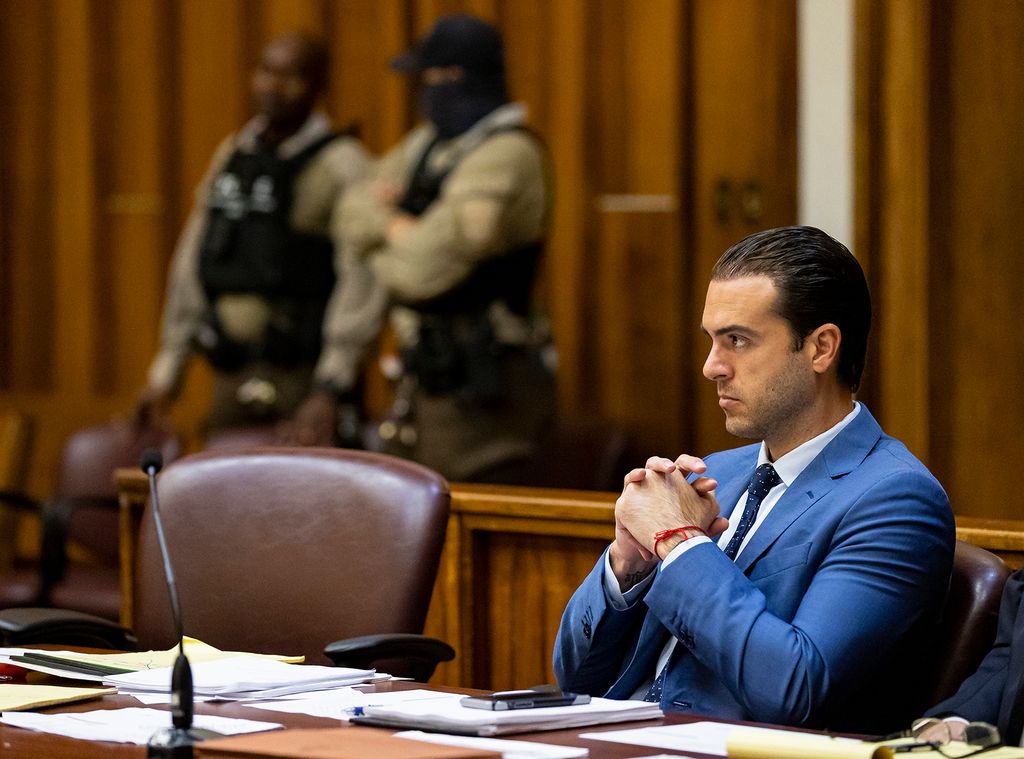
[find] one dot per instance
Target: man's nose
(714, 367)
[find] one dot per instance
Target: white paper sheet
(342, 703)
(509, 749)
(132, 725)
(243, 677)
(698, 737)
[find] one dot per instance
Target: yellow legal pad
(134, 661)
(759, 744)
(19, 698)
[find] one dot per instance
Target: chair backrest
(284, 550)
(237, 438)
(85, 476)
(970, 618)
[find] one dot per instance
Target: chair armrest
(33, 626)
(416, 656)
(20, 501)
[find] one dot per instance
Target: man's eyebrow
(731, 329)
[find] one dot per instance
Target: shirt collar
(503, 117)
(793, 463)
(316, 126)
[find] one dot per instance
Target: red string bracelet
(660, 536)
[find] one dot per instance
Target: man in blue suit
(808, 597)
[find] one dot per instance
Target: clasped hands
(655, 498)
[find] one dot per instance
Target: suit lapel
(840, 457)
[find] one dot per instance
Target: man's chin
(741, 429)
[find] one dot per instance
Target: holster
(458, 355)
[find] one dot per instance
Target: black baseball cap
(456, 40)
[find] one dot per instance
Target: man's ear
(824, 343)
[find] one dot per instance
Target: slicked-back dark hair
(819, 282)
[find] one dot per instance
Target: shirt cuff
(683, 547)
(621, 601)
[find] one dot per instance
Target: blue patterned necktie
(654, 692)
(764, 479)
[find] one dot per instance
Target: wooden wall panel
(146, 90)
(364, 36)
(133, 218)
(74, 212)
(525, 581)
(977, 335)
(903, 298)
(737, 98)
(941, 169)
(27, 174)
(567, 269)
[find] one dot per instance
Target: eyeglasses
(932, 734)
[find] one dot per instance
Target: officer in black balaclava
(453, 225)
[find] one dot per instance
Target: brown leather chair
(240, 438)
(969, 621)
(283, 550)
(83, 511)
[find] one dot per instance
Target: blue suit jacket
(838, 586)
(994, 693)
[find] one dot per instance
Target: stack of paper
(96, 667)
(447, 715)
(244, 677)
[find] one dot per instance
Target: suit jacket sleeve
(979, 698)
(595, 639)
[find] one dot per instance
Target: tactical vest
(249, 246)
(457, 350)
(507, 277)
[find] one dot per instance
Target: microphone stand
(173, 742)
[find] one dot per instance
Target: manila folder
(332, 743)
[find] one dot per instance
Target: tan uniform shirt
(495, 199)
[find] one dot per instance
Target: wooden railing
(513, 556)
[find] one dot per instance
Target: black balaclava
(454, 107)
(476, 47)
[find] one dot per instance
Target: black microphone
(176, 741)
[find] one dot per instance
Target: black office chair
(282, 550)
(83, 512)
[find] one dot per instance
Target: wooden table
(25, 744)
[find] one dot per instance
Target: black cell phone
(528, 698)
